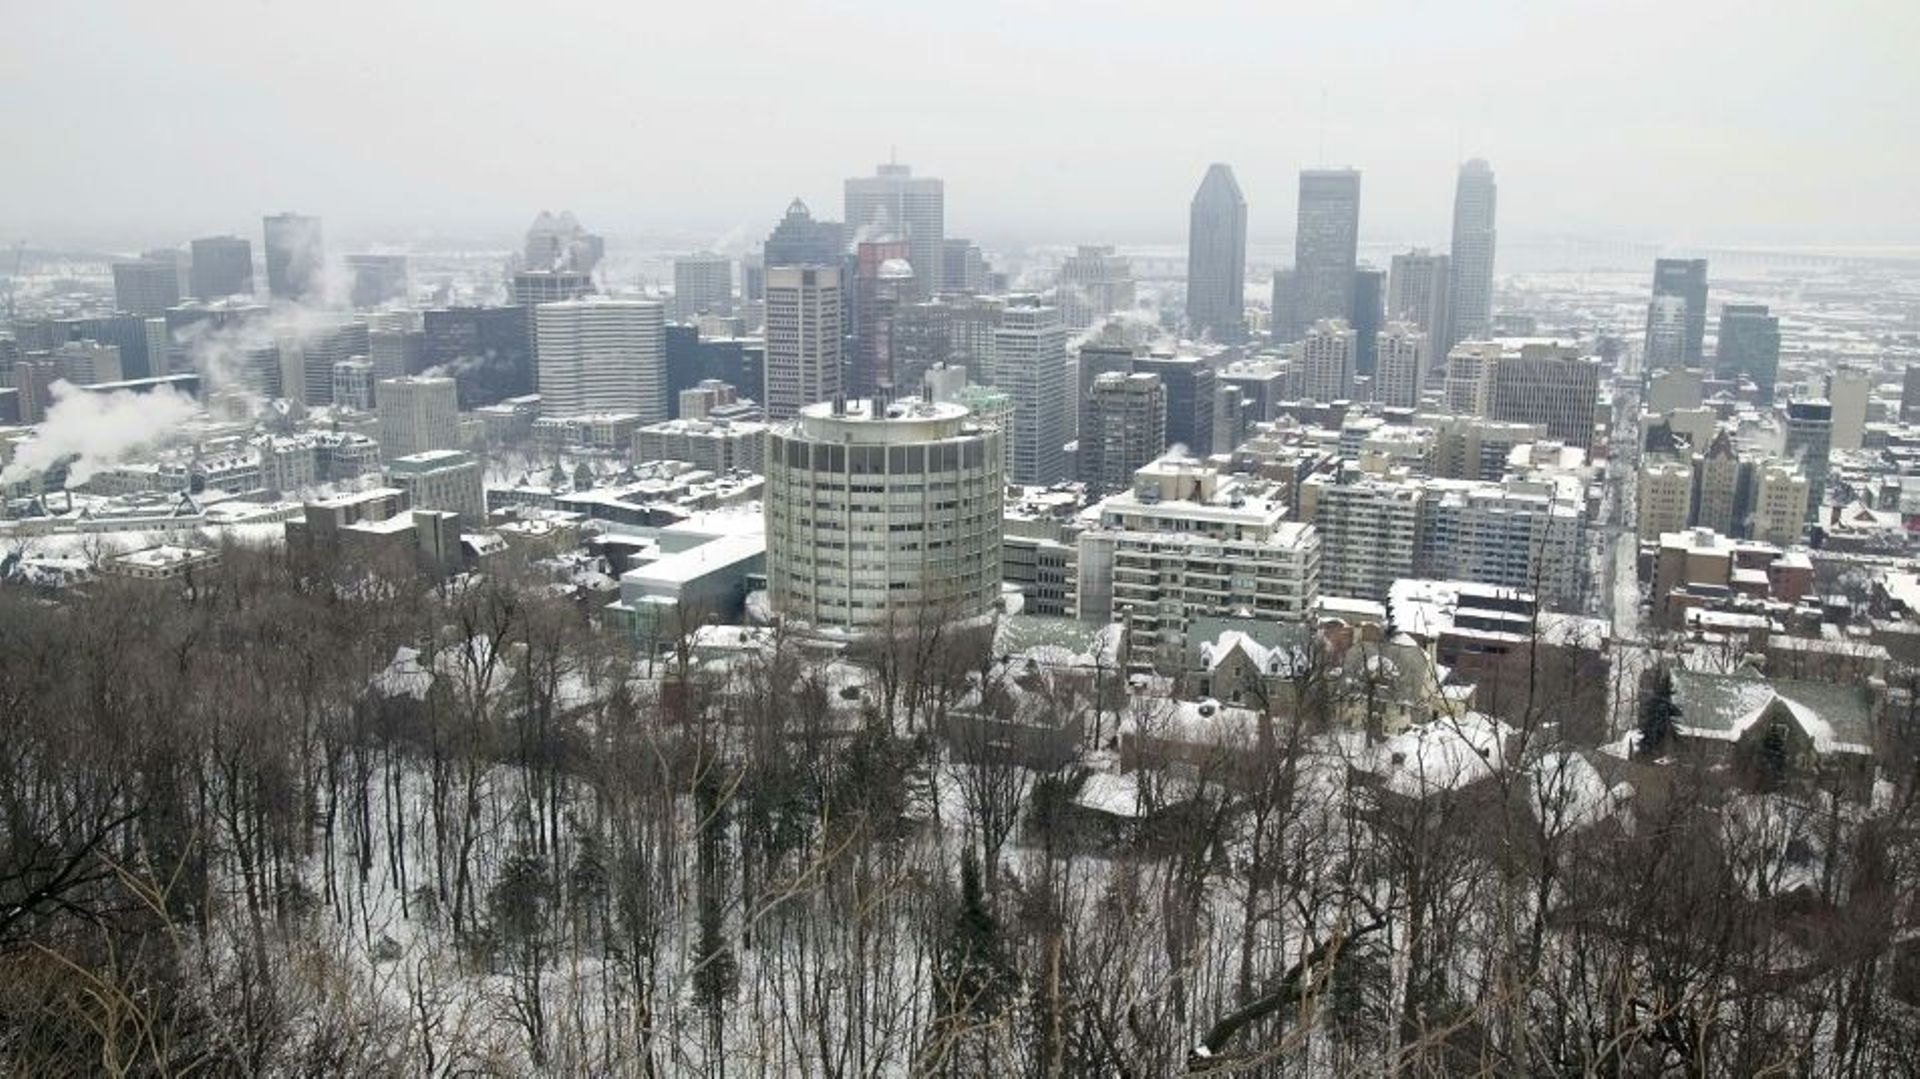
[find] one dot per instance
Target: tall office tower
(803, 338)
(177, 257)
(557, 242)
(396, 352)
(1217, 257)
(1849, 391)
(799, 240)
(1326, 244)
(1106, 352)
(1666, 344)
(1191, 400)
(894, 202)
(702, 285)
(1093, 283)
(1369, 306)
(1686, 279)
(295, 257)
(1402, 371)
(932, 478)
(883, 280)
(922, 340)
(444, 480)
(1030, 365)
(160, 353)
(530, 288)
(1781, 495)
(33, 381)
(1283, 323)
(1748, 346)
(753, 278)
(128, 333)
(1809, 441)
(1548, 385)
(963, 268)
(1717, 486)
(353, 384)
(1466, 447)
(1417, 292)
(1125, 428)
(601, 355)
(318, 348)
(417, 413)
(222, 266)
(88, 363)
(377, 279)
(1470, 304)
(1910, 394)
(972, 323)
(488, 349)
(145, 287)
(1324, 362)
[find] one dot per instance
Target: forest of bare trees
(291, 818)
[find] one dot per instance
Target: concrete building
(1470, 278)
(1849, 391)
(312, 349)
(601, 355)
(1514, 534)
(1548, 384)
(418, 413)
(1418, 292)
(1185, 543)
(1666, 341)
(1468, 385)
(1401, 373)
(894, 202)
(394, 353)
(1748, 346)
(1324, 361)
(295, 256)
(1217, 257)
(804, 344)
(444, 480)
(1030, 366)
(88, 362)
(1809, 442)
(531, 288)
(222, 267)
(711, 394)
(1674, 388)
(1910, 394)
(702, 285)
(1369, 532)
(1665, 498)
(1093, 283)
(1685, 279)
(1471, 448)
(1191, 399)
(1124, 429)
(378, 279)
(1780, 499)
(880, 521)
(964, 270)
(719, 446)
(558, 242)
(145, 287)
(1326, 245)
(1716, 500)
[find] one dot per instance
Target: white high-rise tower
(601, 355)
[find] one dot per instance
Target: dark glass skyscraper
(222, 266)
(1748, 346)
(1217, 257)
(1687, 280)
(1470, 269)
(1326, 244)
(1369, 302)
(799, 240)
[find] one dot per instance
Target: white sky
(1677, 121)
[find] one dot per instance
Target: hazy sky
(1679, 121)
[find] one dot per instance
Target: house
(1775, 732)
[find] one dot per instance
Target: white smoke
(98, 430)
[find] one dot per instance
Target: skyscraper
(145, 287)
(1030, 365)
(1124, 428)
(1324, 361)
(417, 414)
(1470, 309)
(1548, 385)
(377, 278)
(222, 266)
(893, 202)
(1369, 303)
(1418, 291)
(1686, 279)
(702, 285)
(557, 242)
(1748, 346)
(882, 281)
(1217, 257)
(601, 355)
(1402, 365)
(963, 267)
(1326, 244)
(799, 240)
(295, 256)
(1093, 283)
(1850, 392)
(803, 337)
(1191, 399)
(1809, 444)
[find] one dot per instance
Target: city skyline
(1011, 169)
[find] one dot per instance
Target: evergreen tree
(1657, 711)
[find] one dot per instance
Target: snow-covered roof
(1443, 755)
(1837, 718)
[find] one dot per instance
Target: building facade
(804, 342)
(602, 355)
(1217, 257)
(1326, 244)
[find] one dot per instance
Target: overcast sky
(1677, 121)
